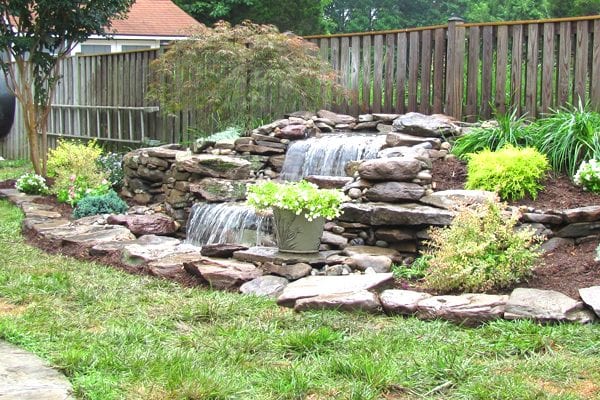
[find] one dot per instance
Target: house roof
(154, 18)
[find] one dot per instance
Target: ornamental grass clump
(481, 250)
(511, 172)
(299, 197)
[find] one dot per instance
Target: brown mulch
(63, 208)
(8, 184)
(567, 269)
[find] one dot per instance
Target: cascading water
(328, 155)
(226, 223)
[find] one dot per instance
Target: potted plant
(299, 212)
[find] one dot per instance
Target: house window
(95, 48)
(131, 47)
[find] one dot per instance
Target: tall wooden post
(455, 63)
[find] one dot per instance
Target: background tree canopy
(305, 17)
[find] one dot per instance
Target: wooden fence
(462, 69)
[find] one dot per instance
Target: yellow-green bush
(511, 172)
(479, 251)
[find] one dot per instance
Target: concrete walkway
(24, 376)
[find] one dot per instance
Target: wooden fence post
(455, 61)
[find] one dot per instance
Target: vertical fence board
(366, 74)
(355, 74)
(595, 84)
(413, 70)
(345, 69)
(455, 68)
(425, 103)
(486, 71)
(581, 62)
(516, 69)
(531, 83)
(389, 73)
(548, 75)
(473, 73)
(564, 63)
(377, 73)
(501, 63)
(439, 53)
(401, 56)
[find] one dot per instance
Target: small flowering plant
(299, 197)
(588, 176)
(79, 188)
(31, 183)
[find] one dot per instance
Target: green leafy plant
(108, 203)
(568, 137)
(112, 166)
(79, 188)
(236, 74)
(31, 183)
(588, 176)
(511, 172)
(481, 250)
(414, 271)
(509, 129)
(300, 197)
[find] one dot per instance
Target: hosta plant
(588, 176)
(299, 197)
(31, 183)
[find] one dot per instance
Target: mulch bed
(567, 269)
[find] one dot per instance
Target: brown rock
(151, 224)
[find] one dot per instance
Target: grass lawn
(12, 169)
(118, 336)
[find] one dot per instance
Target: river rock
(329, 285)
(361, 300)
(390, 169)
(217, 166)
(291, 272)
(418, 124)
(582, 214)
(266, 285)
(223, 275)
(470, 308)
(403, 302)
(395, 192)
(221, 250)
(361, 262)
(545, 306)
(146, 224)
(337, 119)
(394, 139)
(591, 297)
(453, 199)
(329, 182)
(219, 190)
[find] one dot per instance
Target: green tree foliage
(240, 74)
(36, 34)
(303, 17)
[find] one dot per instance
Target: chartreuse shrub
(588, 176)
(479, 251)
(74, 166)
(508, 129)
(568, 137)
(511, 172)
(109, 203)
(31, 183)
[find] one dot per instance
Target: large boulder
(390, 169)
(150, 224)
(417, 124)
(223, 274)
(361, 300)
(470, 308)
(395, 192)
(219, 190)
(266, 285)
(545, 306)
(216, 166)
(394, 139)
(403, 302)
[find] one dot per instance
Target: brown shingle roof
(154, 18)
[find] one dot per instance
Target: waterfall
(226, 223)
(328, 155)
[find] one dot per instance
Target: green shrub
(31, 183)
(411, 272)
(509, 130)
(109, 203)
(511, 172)
(479, 251)
(588, 176)
(568, 137)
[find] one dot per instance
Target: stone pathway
(24, 376)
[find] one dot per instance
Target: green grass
(12, 169)
(118, 336)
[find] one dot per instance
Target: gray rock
(555, 243)
(336, 118)
(394, 139)
(87, 235)
(579, 229)
(291, 272)
(390, 169)
(395, 214)
(153, 175)
(163, 152)
(329, 182)
(591, 297)
(385, 128)
(222, 274)
(333, 270)
(546, 219)
(425, 125)
(385, 117)
(361, 300)
(545, 306)
(266, 285)
(219, 190)
(261, 254)
(361, 262)
(403, 302)
(352, 251)
(416, 152)
(333, 239)
(256, 148)
(470, 308)
(369, 126)
(171, 266)
(221, 250)
(139, 254)
(217, 166)
(354, 193)
(366, 118)
(582, 214)
(452, 199)
(395, 234)
(330, 285)
(146, 224)
(395, 192)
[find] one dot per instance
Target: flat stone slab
(16, 197)
(351, 251)
(451, 199)
(138, 254)
(470, 308)
(221, 250)
(262, 254)
(171, 266)
(582, 214)
(88, 235)
(545, 306)
(24, 376)
(266, 285)
(329, 285)
(362, 300)
(402, 302)
(591, 297)
(223, 274)
(382, 214)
